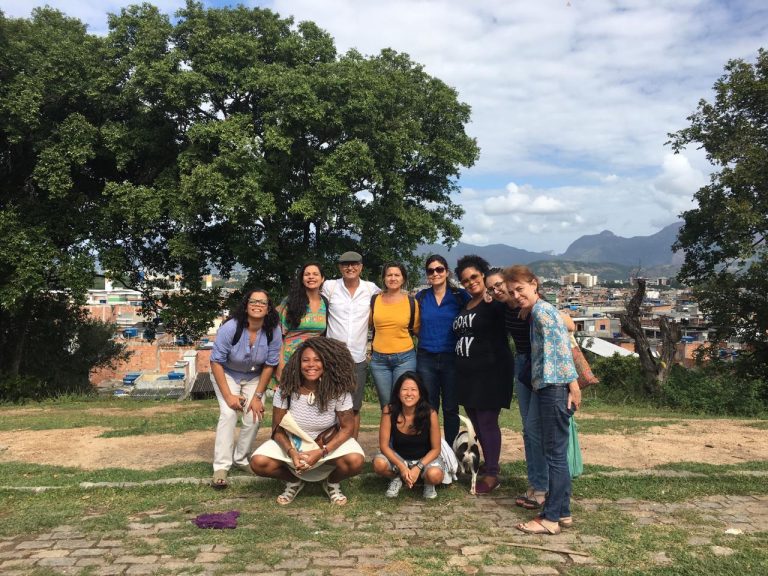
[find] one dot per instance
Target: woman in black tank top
(409, 439)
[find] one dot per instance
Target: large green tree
(265, 148)
(50, 189)
(226, 137)
(724, 238)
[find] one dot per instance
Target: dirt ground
(718, 441)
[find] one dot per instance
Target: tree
(49, 192)
(271, 149)
(655, 368)
(724, 238)
(228, 138)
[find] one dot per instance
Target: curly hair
(423, 408)
(297, 300)
(338, 370)
(471, 261)
(240, 314)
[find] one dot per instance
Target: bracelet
(325, 451)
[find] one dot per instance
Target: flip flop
(532, 502)
(536, 526)
(219, 481)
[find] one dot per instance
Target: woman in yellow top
(395, 318)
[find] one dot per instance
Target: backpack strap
(412, 305)
(238, 334)
(327, 307)
(373, 326)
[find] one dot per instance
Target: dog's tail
(472, 440)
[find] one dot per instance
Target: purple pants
(486, 423)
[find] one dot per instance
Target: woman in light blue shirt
(553, 378)
(244, 356)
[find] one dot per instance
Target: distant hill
(646, 251)
(606, 255)
(496, 254)
(603, 270)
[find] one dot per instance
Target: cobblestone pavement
(498, 549)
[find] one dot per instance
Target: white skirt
(321, 470)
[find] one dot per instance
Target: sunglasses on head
(435, 270)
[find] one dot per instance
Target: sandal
(537, 526)
(532, 502)
(219, 481)
(565, 521)
(333, 489)
(484, 487)
(292, 489)
(520, 500)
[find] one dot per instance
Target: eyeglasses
(435, 270)
(349, 264)
(471, 278)
(496, 287)
(258, 302)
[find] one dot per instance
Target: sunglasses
(471, 278)
(435, 270)
(257, 302)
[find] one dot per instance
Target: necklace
(310, 396)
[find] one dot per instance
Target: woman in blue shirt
(244, 356)
(436, 357)
(553, 379)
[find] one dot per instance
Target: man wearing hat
(349, 306)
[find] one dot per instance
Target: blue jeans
(386, 368)
(536, 464)
(438, 372)
(555, 418)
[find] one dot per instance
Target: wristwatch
(259, 395)
(419, 465)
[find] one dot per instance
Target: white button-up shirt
(348, 314)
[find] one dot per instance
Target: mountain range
(607, 255)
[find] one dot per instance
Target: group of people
(315, 344)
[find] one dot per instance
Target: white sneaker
(429, 491)
(394, 487)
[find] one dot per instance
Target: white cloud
(517, 201)
(678, 177)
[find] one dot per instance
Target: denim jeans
(555, 418)
(536, 464)
(438, 372)
(386, 368)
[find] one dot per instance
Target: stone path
(473, 535)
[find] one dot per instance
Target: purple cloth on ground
(217, 520)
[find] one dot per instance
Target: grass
(623, 547)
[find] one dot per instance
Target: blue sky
(571, 100)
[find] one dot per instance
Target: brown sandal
(537, 526)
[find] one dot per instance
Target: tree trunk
(655, 369)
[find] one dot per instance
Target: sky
(572, 100)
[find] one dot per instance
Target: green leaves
(725, 237)
(228, 136)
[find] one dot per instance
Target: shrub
(715, 389)
(621, 378)
(15, 389)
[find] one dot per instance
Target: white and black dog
(467, 450)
